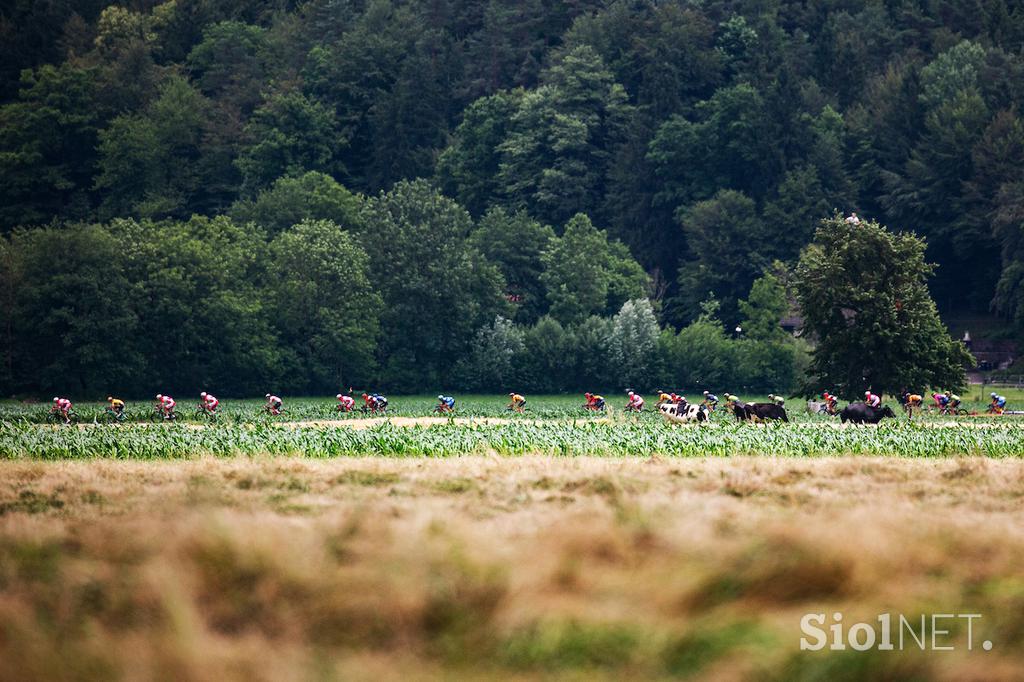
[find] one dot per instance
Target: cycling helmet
(867, 392)
(267, 395)
(338, 396)
(58, 399)
(203, 394)
(440, 397)
(159, 396)
(992, 395)
(705, 392)
(512, 393)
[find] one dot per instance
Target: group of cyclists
(945, 402)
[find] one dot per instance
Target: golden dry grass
(291, 569)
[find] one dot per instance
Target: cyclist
(831, 402)
(165, 404)
(273, 405)
(346, 402)
(445, 403)
(952, 402)
(911, 402)
(663, 397)
(710, 400)
(594, 402)
(998, 405)
(872, 400)
(209, 402)
(777, 399)
(380, 402)
(116, 406)
(940, 400)
(516, 402)
(636, 402)
(62, 407)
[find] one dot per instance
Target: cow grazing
(759, 412)
(861, 413)
(681, 414)
(765, 411)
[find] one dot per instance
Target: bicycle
(444, 409)
(159, 415)
(203, 412)
(110, 414)
(58, 417)
(376, 408)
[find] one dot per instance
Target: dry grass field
(496, 567)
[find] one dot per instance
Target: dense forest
(304, 195)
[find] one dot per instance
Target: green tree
(863, 293)
(289, 134)
(151, 164)
(468, 168)
(549, 357)
(700, 354)
(291, 200)
(593, 368)
(206, 322)
(729, 145)
(73, 319)
(47, 145)
(324, 306)
(495, 358)
(633, 344)
(583, 273)
(231, 63)
(764, 308)
(437, 289)
(515, 243)
(731, 247)
(555, 158)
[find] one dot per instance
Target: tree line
(323, 290)
(701, 141)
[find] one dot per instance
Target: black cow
(862, 413)
(759, 411)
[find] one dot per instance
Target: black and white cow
(682, 414)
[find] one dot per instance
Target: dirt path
(360, 424)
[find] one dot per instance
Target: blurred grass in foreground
(485, 568)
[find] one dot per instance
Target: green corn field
(583, 437)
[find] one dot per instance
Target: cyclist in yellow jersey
(516, 402)
(116, 405)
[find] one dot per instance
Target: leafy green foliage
(325, 308)
(516, 243)
(437, 289)
(311, 196)
(705, 139)
(290, 134)
(863, 292)
(585, 274)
